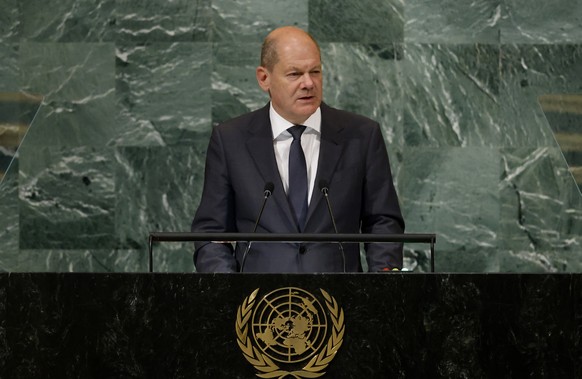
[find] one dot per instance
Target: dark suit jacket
(352, 159)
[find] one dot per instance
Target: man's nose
(307, 81)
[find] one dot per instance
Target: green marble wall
(132, 89)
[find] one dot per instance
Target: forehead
(298, 52)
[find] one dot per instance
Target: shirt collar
(280, 125)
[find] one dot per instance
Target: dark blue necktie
(297, 193)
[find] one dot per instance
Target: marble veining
(163, 101)
(163, 21)
(66, 199)
(251, 20)
(341, 21)
(450, 21)
(465, 93)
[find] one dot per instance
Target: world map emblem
(289, 332)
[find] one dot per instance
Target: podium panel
(396, 325)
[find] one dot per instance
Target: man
(297, 143)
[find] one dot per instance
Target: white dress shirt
(310, 141)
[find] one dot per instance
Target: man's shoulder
(346, 118)
(245, 119)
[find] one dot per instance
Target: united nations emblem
(289, 333)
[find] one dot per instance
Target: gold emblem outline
(269, 369)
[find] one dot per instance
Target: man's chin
(307, 111)
(308, 106)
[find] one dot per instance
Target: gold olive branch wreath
(269, 369)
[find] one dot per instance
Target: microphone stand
(267, 193)
(324, 189)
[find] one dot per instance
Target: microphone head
(323, 185)
(269, 187)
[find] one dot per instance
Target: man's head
(290, 72)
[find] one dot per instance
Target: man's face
(295, 82)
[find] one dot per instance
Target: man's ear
(264, 78)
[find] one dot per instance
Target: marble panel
(452, 21)
(67, 199)
(365, 21)
(396, 156)
(523, 121)
(16, 113)
(10, 67)
(10, 221)
(417, 257)
(451, 95)
(163, 83)
(252, 20)
(529, 261)
(94, 260)
(67, 20)
(454, 193)
(564, 114)
(17, 110)
(366, 79)
(158, 190)
(541, 212)
(71, 124)
(540, 21)
(234, 85)
(174, 257)
(542, 68)
(163, 94)
(467, 259)
(10, 28)
(163, 21)
(528, 72)
(75, 72)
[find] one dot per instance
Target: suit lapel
(260, 146)
(330, 151)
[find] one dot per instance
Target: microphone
(267, 192)
(324, 188)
